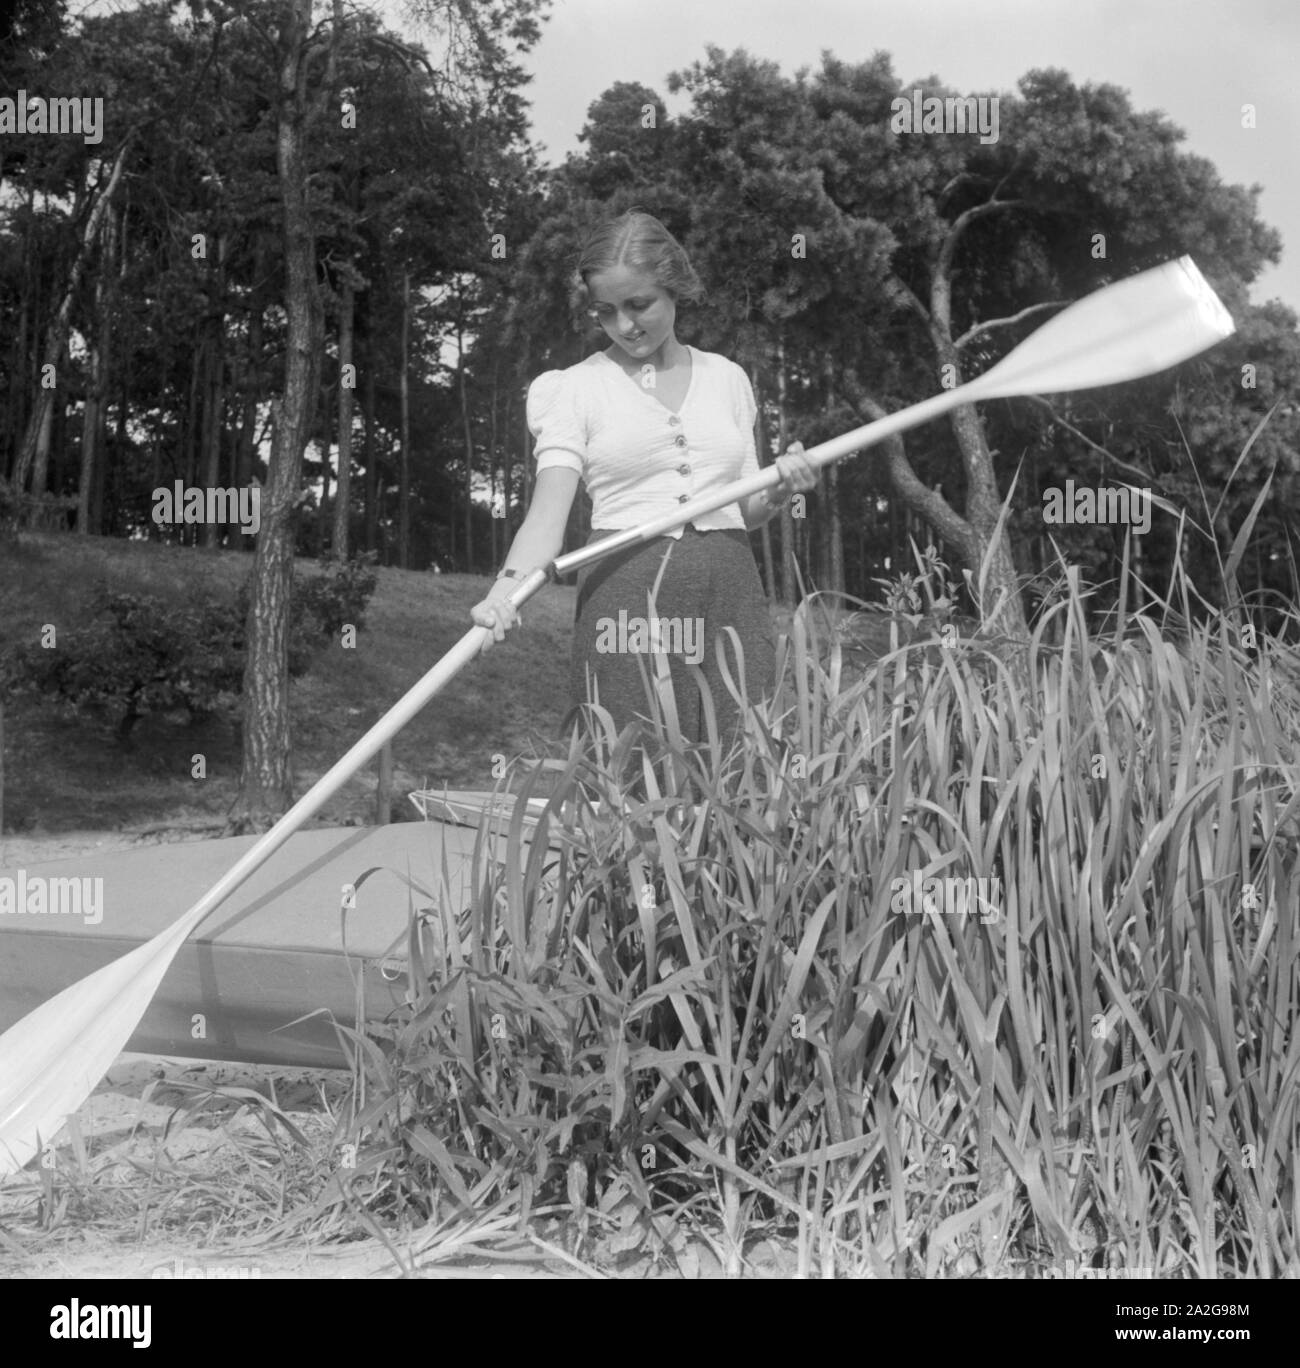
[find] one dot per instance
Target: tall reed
(701, 990)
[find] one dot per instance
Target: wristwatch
(780, 498)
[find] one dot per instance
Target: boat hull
(278, 949)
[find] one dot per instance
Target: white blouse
(637, 458)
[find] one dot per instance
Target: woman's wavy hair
(638, 240)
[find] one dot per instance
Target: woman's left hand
(796, 472)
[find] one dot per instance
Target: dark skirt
(707, 582)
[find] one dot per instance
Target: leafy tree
(1080, 189)
(482, 41)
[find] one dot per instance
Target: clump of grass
(697, 999)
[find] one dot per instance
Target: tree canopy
(852, 267)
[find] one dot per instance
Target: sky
(1197, 61)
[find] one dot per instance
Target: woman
(647, 424)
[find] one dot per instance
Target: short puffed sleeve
(555, 420)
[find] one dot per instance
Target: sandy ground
(127, 1130)
(34, 847)
(30, 850)
(125, 1123)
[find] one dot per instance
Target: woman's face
(637, 314)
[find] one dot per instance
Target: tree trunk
(789, 577)
(38, 422)
(468, 431)
(93, 420)
(836, 532)
(123, 384)
(324, 514)
(1001, 609)
(404, 476)
(384, 786)
(497, 557)
(90, 418)
(265, 782)
(507, 477)
(347, 391)
(245, 454)
(21, 368)
(191, 442)
(370, 449)
(214, 397)
(97, 525)
(41, 461)
(1000, 605)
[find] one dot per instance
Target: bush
(139, 656)
(339, 594)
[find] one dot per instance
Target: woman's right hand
(497, 612)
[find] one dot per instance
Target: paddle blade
(55, 1056)
(1136, 327)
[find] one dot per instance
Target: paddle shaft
(822, 454)
(346, 767)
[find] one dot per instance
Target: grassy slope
(66, 773)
